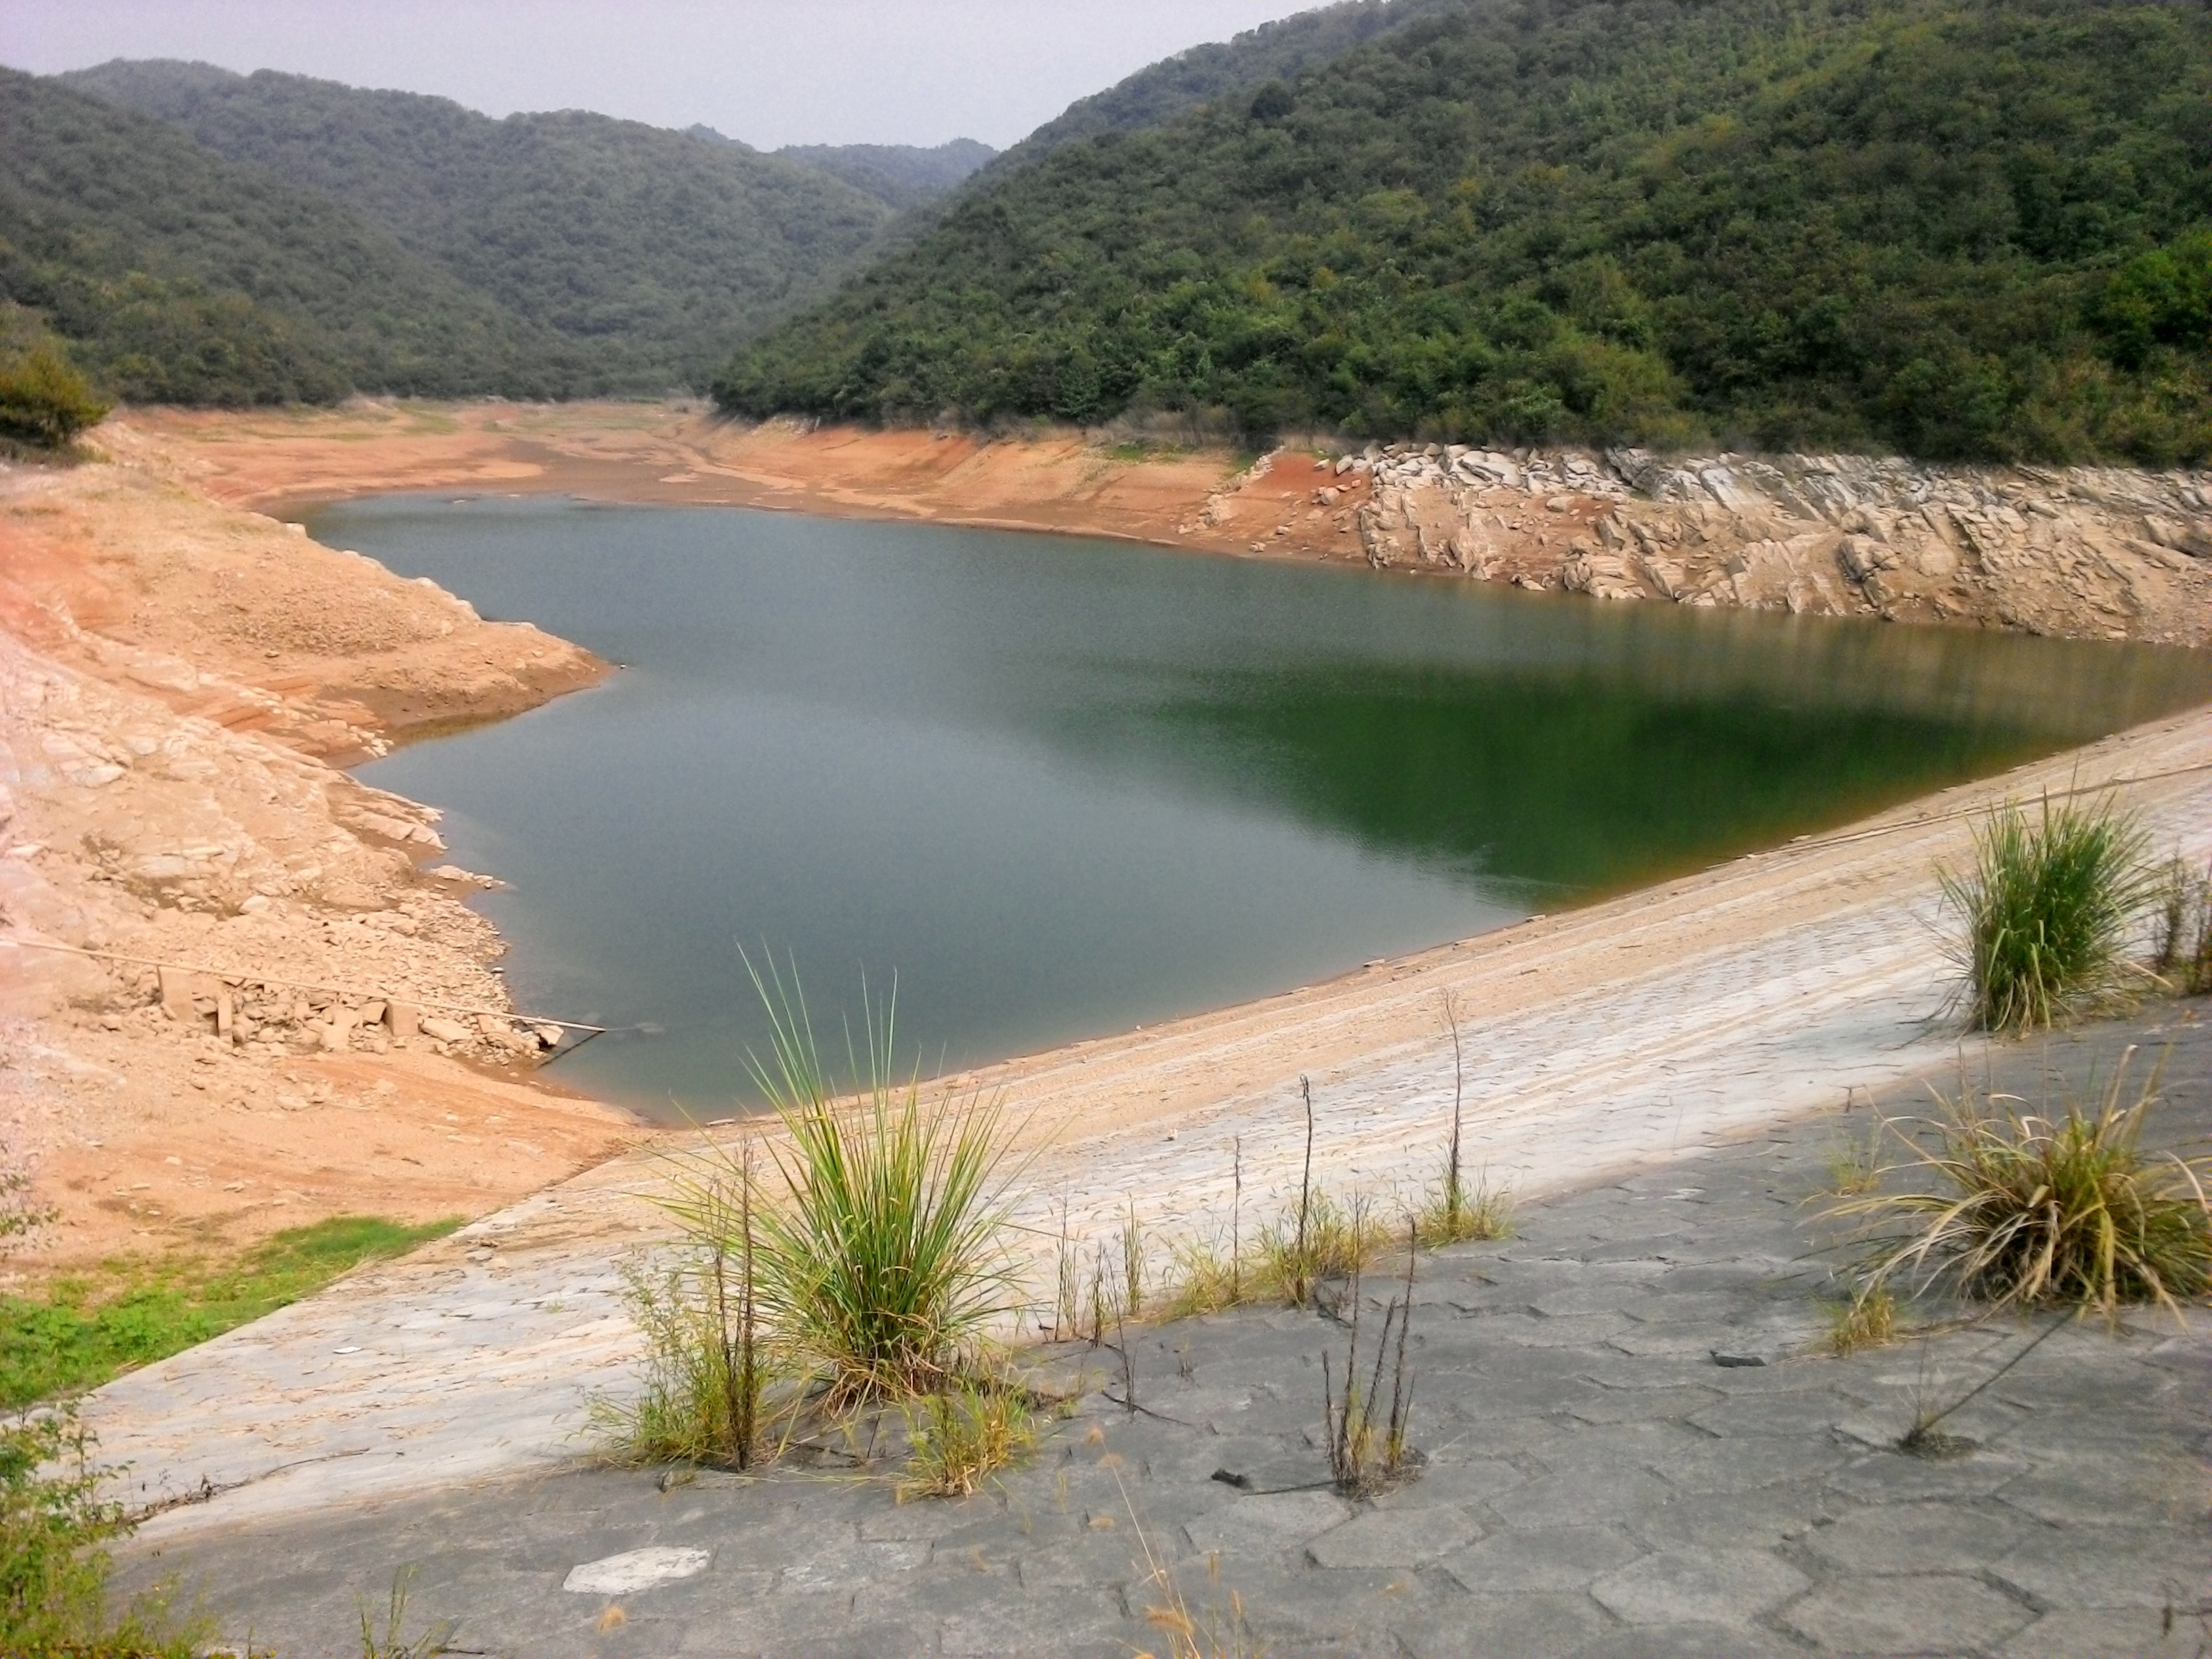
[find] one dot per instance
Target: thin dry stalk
(1364, 1454)
(1305, 1179)
(1068, 1298)
(1452, 1193)
(1237, 1224)
(1222, 1634)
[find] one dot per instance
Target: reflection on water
(1062, 787)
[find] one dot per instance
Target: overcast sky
(771, 72)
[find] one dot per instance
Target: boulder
(445, 1031)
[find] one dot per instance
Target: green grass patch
(87, 1329)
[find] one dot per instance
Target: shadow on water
(1060, 786)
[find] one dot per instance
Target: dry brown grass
(2014, 1208)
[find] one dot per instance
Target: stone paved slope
(1598, 1486)
(1626, 1035)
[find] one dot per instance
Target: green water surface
(1060, 786)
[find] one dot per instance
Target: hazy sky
(770, 72)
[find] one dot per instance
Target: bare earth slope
(178, 681)
(2083, 552)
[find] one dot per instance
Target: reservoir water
(1058, 786)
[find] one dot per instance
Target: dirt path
(1642, 1032)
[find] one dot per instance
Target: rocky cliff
(2083, 551)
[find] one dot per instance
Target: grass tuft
(1454, 1213)
(1206, 1278)
(1322, 1239)
(1869, 1319)
(2016, 1209)
(962, 1437)
(887, 1262)
(2047, 912)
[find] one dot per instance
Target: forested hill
(904, 175)
(1277, 50)
(1953, 227)
(649, 253)
(176, 275)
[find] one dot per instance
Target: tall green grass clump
(884, 1259)
(2047, 910)
(2019, 1210)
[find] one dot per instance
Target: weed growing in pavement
(2047, 911)
(1455, 1214)
(962, 1437)
(2016, 1209)
(1323, 1239)
(1217, 1631)
(1368, 1447)
(1133, 1265)
(1853, 1161)
(1206, 1278)
(2183, 953)
(709, 1366)
(1869, 1319)
(391, 1643)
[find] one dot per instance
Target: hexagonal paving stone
(1506, 1628)
(1393, 1538)
(2112, 1633)
(1891, 1477)
(1555, 1558)
(1718, 1587)
(1267, 1522)
(1582, 1496)
(1920, 1538)
(1939, 1615)
(2113, 1566)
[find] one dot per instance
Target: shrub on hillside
(43, 399)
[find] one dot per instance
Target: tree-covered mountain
(1279, 51)
(649, 253)
(1956, 227)
(903, 175)
(176, 275)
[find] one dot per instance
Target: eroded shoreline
(2079, 552)
(185, 676)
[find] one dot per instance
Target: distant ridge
(903, 175)
(642, 254)
(177, 276)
